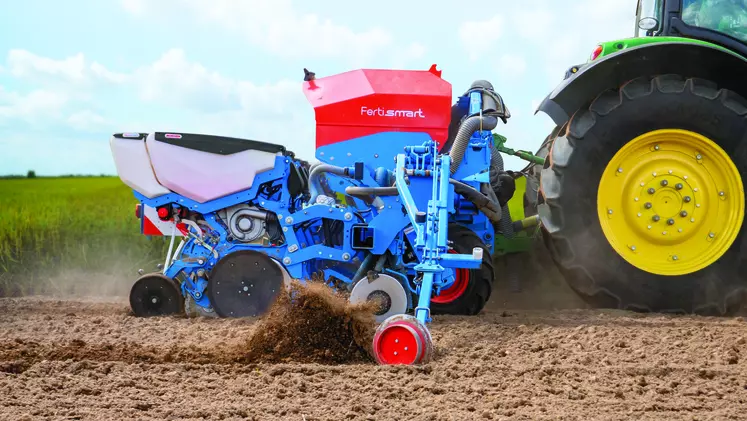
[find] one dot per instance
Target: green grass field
(75, 229)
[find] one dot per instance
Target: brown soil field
(88, 359)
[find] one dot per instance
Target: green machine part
(526, 227)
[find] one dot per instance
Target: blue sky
(74, 72)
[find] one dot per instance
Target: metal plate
(155, 295)
(384, 287)
(244, 284)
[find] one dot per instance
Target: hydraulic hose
(316, 171)
(506, 225)
(482, 202)
(367, 264)
(368, 191)
(496, 167)
(466, 130)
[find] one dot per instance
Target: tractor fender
(611, 71)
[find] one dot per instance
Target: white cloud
(101, 72)
(203, 100)
(32, 107)
(479, 36)
(173, 79)
(73, 69)
(214, 103)
(275, 26)
(22, 63)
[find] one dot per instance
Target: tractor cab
(722, 22)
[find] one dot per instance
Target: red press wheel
(402, 339)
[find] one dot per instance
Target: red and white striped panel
(151, 224)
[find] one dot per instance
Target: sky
(74, 72)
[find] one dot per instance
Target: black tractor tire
(480, 281)
(571, 175)
(533, 170)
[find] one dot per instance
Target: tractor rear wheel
(472, 287)
(532, 173)
(642, 201)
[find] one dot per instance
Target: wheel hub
(155, 295)
(385, 291)
(671, 202)
(244, 284)
(382, 300)
(402, 339)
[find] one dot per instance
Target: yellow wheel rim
(671, 202)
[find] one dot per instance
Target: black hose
(496, 168)
(490, 208)
(315, 173)
(368, 262)
(466, 130)
(368, 191)
(506, 225)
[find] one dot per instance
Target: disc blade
(384, 289)
(244, 284)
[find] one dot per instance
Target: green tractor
(640, 197)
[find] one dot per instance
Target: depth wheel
(244, 284)
(643, 201)
(402, 340)
(472, 287)
(154, 294)
(389, 295)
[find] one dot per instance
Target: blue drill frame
(422, 180)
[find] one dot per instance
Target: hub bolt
(687, 199)
(655, 218)
(683, 213)
(619, 170)
(711, 234)
(674, 257)
(664, 182)
(656, 147)
(651, 190)
(670, 221)
(678, 186)
(698, 157)
(648, 205)
(720, 193)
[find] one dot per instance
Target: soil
(88, 359)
